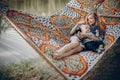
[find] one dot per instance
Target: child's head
(92, 18)
(85, 28)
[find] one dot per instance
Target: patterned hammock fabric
(47, 34)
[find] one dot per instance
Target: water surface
(39, 7)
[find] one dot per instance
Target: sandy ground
(13, 48)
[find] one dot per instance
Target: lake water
(39, 7)
(13, 48)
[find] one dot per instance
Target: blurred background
(13, 47)
(18, 60)
(39, 7)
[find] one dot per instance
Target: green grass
(28, 70)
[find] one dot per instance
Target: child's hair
(97, 22)
(95, 16)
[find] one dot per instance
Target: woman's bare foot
(56, 55)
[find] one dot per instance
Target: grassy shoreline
(28, 70)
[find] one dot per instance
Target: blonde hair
(95, 17)
(97, 21)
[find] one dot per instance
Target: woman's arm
(88, 36)
(74, 28)
(92, 37)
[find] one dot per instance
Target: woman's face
(91, 19)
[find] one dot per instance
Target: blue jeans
(92, 45)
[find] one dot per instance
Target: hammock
(46, 34)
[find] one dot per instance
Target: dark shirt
(101, 32)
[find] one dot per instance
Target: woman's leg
(67, 47)
(70, 52)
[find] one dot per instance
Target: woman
(93, 21)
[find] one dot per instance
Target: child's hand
(97, 33)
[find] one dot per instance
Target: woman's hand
(75, 27)
(81, 35)
(92, 37)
